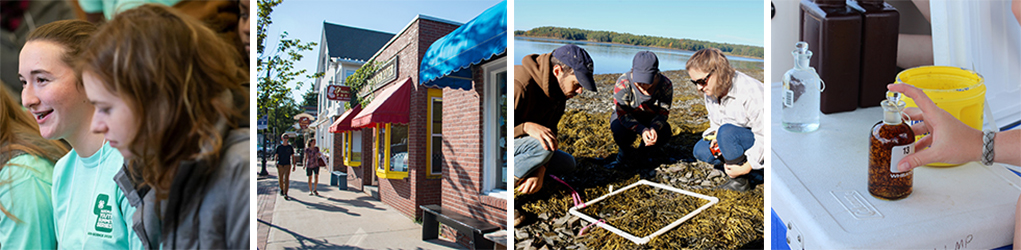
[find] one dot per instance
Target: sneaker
(317, 192)
(737, 184)
(287, 197)
(311, 193)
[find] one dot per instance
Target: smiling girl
(89, 210)
(168, 96)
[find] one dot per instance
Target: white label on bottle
(897, 153)
(788, 98)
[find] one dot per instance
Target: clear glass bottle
(800, 100)
(891, 140)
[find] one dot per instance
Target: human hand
(649, 136)
(532, 183)
(737, 170)
(714, 148)
(949, 141)
(543, 134)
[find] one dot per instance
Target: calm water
(616, 58)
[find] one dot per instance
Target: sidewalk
(338, 219)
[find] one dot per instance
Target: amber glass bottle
(891, 140)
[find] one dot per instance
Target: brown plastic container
(880, 27)
(834, 29)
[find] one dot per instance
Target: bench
(433, 215)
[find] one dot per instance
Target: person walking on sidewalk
(284, 168)
(641, 99)
(312, 156)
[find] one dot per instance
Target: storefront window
(352, 148)
(392, 151)
(436, 133)
(355, 149)
(398, 148)
(495, 122)
(381, 156)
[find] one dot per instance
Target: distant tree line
(630, 39)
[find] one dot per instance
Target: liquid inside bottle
(801, 93)
(891, 140)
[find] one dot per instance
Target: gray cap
(644, 67)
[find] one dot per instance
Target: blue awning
(448, 61)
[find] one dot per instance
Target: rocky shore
(735, 222)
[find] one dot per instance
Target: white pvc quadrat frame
(646, 239)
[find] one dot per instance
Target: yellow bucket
(959, 91)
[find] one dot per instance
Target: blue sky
(303, 19)
(728, 21)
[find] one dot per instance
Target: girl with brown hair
(168, 93)
(312, 157)
(89, 210)
(26, 171)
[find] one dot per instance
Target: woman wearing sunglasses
(734, 101)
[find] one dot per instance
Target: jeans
(732, 140)
(529, 155)
(625, 137)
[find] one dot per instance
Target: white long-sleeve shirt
(742, 107)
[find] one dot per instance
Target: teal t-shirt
(112, 7)
(25, 193)
(89, 210)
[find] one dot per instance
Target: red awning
(344, 122)
(390, 106)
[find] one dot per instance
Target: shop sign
(304, 122)
(385, 74)
(338, 93)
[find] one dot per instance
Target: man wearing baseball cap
(542, 85)
(642, 99)
(284, 154)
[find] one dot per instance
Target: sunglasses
(703, 81)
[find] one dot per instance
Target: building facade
(434, 131)
(342, 50)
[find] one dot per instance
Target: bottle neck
(892, 117)
(801, 61)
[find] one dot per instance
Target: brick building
(470, 64)
(395, 122)
(434, 131)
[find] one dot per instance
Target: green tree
(276, 69)
(310, 99)
(358, 80)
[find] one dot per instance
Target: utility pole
(265, 139)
